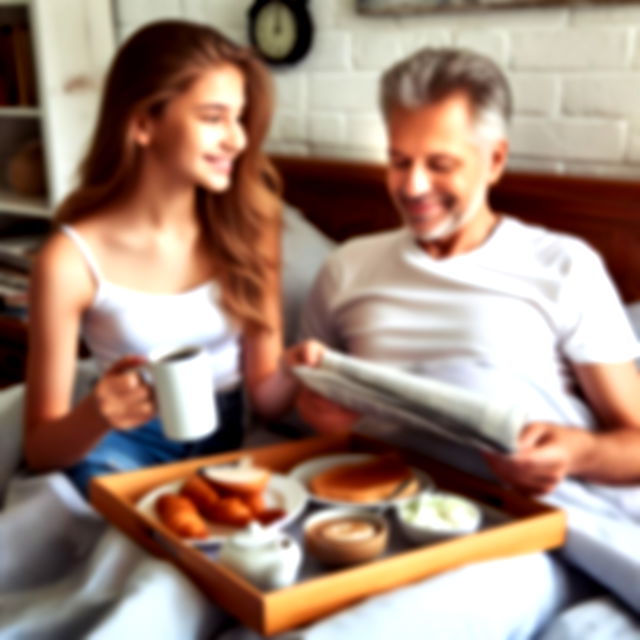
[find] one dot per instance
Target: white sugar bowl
(268, 558)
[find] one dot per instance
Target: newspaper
(393, 395)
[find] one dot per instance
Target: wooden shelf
(50, 42)
(20, 112)
(17, 204)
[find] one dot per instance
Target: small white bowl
(432, 516)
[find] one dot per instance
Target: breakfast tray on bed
(513, 524)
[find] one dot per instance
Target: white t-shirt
(505, 318)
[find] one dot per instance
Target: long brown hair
(156, 64)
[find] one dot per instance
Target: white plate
(282, 492)
(310, 468)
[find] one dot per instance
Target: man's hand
(323, 415)
(547, 453)
(122, 398)
(308, 353)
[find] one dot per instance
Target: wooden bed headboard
(348, 198)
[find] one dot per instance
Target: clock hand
(278, 25)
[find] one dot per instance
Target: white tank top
(122, 321)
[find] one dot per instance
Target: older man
(472, 296)
(466, 294)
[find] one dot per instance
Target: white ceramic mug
(183, 383)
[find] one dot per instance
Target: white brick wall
(575, 74)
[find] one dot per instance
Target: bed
(75, 577)
(345, 198)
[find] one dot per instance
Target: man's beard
(455, 220)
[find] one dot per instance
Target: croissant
(232, 511)
(201, 493)
(180, 515)
(267, 516)
(255, 501)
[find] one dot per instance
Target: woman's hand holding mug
(124, 400)
(177, 383)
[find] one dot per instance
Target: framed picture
(416, 6)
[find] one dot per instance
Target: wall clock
(280, 30)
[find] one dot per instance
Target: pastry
(369, 481)
(231, 511)
(180, 514)
(238, 480)
(201, 493)
(267, 516)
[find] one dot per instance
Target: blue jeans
(146, 445)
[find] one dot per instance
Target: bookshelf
(18, 204)
(53, 56)
(20, 112)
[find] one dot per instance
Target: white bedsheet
(65, 573)
(604, 535)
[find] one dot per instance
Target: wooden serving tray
(525, 526)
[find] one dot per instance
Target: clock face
(276, 30)
(281, 30)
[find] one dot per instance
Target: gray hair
(431, 74)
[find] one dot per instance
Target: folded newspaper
(396, 396)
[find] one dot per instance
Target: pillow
(11, 409)
(633, 312)
(304, 249)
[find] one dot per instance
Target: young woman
(171, 238)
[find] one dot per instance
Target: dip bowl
(437, 515)
(345, 536)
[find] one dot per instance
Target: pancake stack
(374, 480)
